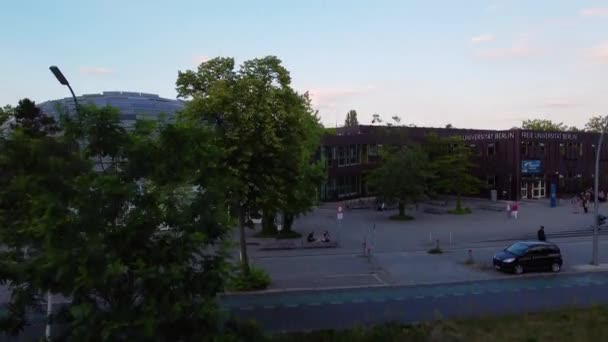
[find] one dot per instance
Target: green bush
(257, 279)
(435, 250)
(461, 211)
(401, 217)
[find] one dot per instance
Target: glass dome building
(132, 105)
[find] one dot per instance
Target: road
(335, 309)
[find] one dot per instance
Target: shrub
(435, 250)
(461, 211)
(257, 279)
(401, 218)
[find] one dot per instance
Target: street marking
(269, 306)
(292, 305)
(335, 302)
(314, 304)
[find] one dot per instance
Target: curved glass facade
(132, 105)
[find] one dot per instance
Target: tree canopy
(403, 175)
(266, 129)
(543, 125)
(597, 123)
(351, 118)
(136, 247)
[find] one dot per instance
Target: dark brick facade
(566, 159)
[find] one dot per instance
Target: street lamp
(63, 81)
(596, 211)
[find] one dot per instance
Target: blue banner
(530, 167)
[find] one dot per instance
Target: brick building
(516, 163)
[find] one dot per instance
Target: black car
(525, 256)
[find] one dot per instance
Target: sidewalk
(402, 268)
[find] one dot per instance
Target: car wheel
(518, 269)
(555, 267)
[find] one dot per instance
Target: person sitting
(311, 237)
(325, 237)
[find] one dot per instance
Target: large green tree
(403, 175)
(262, 124)
(136, 247)
(543, 125)
(597, 123)
(451, 165)
(351, 118)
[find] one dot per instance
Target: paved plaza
(400, 248)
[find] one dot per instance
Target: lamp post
(596, 211)
(63, 81)
(49, 298)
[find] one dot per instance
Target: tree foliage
(265, 127)
(351, 119)
(5, 113)
(137, 247)
(543, 125)
(597, 123)
(451, 165)
(403, 176)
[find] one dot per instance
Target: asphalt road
(335, 309)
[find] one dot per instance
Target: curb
(569, 271)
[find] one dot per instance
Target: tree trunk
(243, 243)
(401, 208)
(458, 202)
(287, 222)
(268, 225)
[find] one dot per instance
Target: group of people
(311, 237)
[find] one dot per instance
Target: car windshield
(517, 249)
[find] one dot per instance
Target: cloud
(483, 38)
(95, 71)
(327, 97)
(594, 12)
(599, 53)
(519, 49)
(560, 104)
(200, 59)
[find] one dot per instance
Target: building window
(491, 180)
(491, 149)
(524, 148)
(541, 146)
(342, 157)
(372, 150)
(580, 149)
(562, 149)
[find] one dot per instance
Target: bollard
(470, 257)
(437, 244)
(450, 238)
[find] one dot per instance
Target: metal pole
(49, 313)
(597, 177)
(74, 97)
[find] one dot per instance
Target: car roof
(537, 243)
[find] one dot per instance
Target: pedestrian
(509, 210)
(585, 209)
(541, 234)
(514, 209)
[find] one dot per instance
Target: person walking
(585, 208)
(514, 209)
(541, 234)
(509, 210)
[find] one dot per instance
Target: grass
(401, 217)
(563, 325)
(460, 211)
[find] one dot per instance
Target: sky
(471, 63)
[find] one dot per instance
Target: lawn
(565, 325)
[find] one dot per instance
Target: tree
(451, 167)
(403, 175)
(5, 113)
(351, 119)
(448, 126)
(376, 118)
(261, 123)
(543, 125)
(136, 247)
(597, 124)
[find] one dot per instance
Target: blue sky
(477, 63)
